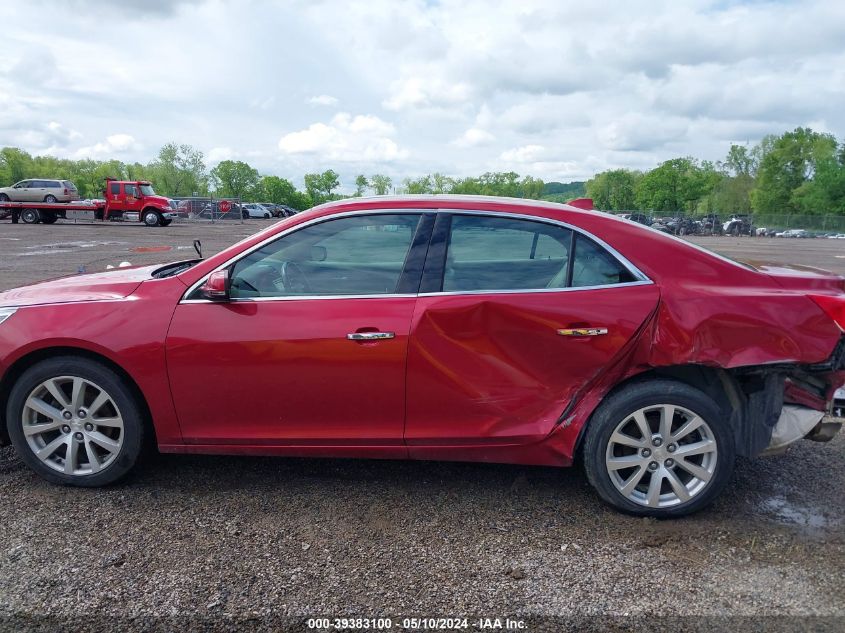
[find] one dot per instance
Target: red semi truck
(124, 200)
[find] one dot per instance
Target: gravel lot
(240, 542)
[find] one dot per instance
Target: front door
(526, 314)
(311, 349)
(132, 200)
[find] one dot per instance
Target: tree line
(798, 172)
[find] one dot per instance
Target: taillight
(833, 306)
(67, 192)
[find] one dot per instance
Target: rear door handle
(583, 331)
(369, 336)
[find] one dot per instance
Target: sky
(555, 89)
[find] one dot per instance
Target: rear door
(514, 317)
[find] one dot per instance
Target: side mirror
(318, 253)
(216, 287)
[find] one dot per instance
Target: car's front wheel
(151, 218)
(75, 422)
(658, 448)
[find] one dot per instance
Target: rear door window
(487, 253)
(495, 253)
(594, 266)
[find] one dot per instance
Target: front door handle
(369, 336)
(583, 331)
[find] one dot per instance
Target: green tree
(15, 165)
(179, 170)
(786, 166)
(282, 191)
(675, 185)
(381, 184)
(361, 184)
(531, 187)
(825, 193)
(614, 190)
(321, 186)
(419, 185)
(440, 183)
(234, 179)
(467, 186)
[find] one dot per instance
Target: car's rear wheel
(75, 422)
(51, 198)
(30, 216)
(4, 197)
(659, 448)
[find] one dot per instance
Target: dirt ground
(243, 541)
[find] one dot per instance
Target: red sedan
(445, 327)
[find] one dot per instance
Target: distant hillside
(563, 191)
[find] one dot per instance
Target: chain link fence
(208, 209)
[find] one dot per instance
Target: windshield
(147, 190)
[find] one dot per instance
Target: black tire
(4, 197)
(133, 424)
(266, 216)
(51, 199)
(167, 222)
(49, 218)
(30, 216)
(151, 218)
(634, 397)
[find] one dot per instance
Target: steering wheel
(293, 278)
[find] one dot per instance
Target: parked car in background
(418, 327)
(792, 233)
(279, 210)
(40, 190)
(255, 210)
(738, 224)
(639, 218)
(710, 224)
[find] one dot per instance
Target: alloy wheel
(661, 456)
(73, 425)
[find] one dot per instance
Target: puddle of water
(795, 514)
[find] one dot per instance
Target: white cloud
(524, 154)
(363, 137)
(218, 154)
(323, 100)
(474, 137)
(420, 91)
(262, 104)
(114, 146)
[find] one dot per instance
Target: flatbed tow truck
(124, 201)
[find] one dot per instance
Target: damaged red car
(435, 328)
